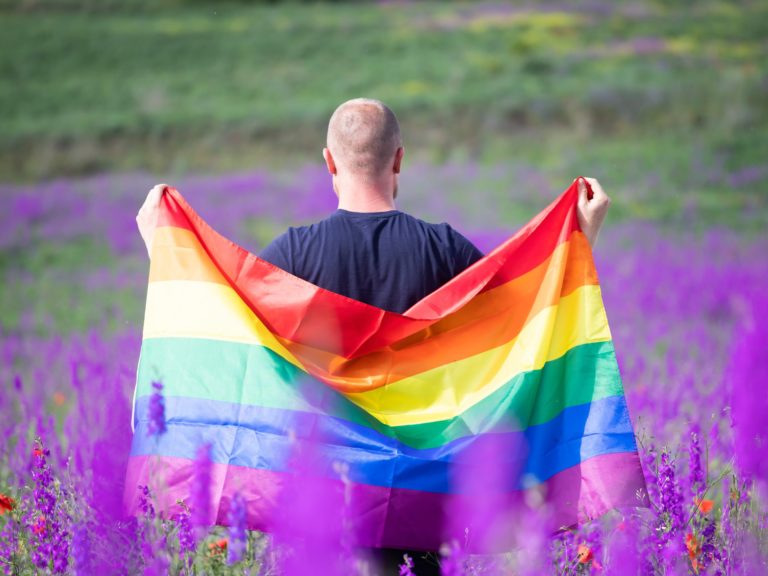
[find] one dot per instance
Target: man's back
(387, 259)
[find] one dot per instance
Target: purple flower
(310, 525)
(748, 375)
(9, 543)
(670, 517)
(709, 550)
(200, 492)
(81, 550)
(156, 426)
(238, 537)
(158, 566)
(623, 548)
(695, 472)
(669, 492)
(406, 568)
(145, 503)
(45, 523)
(45, 499)
(187, 541)
(649, 469)
(453, 559)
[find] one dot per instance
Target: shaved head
(363, 136)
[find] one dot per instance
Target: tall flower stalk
(200, 496)
(238, 536)
(156, 425)
(46, 522)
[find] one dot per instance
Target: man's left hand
(591, 210)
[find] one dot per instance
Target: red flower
(690, 541)
(584, 553)
(6, 503)
(692, 544)
(218, 547)
(39, 526)
(704, 506)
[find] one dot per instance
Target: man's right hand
(148, 215)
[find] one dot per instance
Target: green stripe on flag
(251, 374)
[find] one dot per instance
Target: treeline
(140, 5)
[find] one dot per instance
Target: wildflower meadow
(682, 259)
(686, 312)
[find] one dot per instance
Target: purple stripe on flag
(386, 517)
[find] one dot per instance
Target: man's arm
(148, 215)
(591, 210)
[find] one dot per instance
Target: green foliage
(125, 84)
(663, 101)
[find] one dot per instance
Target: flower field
(686, 306)
(502, 104)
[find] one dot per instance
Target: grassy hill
(212, 86)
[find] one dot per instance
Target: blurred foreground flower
(748, 376)
(156, 426)
(218, 547)
(585, 554)
(453, 559)
(81, 550)
(406, 568)
(704, 506)
(145, 503)
(6, 503)
(200, 506)
(238, 537)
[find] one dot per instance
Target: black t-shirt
(388, 259)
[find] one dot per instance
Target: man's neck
(365, 199)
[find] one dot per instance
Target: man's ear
(398, 159)
(329, 161)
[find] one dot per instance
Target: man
(368, 250)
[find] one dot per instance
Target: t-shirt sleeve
(465, 253)
(278, 253)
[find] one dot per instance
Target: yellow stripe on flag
(190, 309)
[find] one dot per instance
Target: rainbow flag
(256, 362)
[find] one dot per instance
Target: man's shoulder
(290, 248)
(282, 250)
(459, 250)
(444, 231)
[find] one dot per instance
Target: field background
(501, 105)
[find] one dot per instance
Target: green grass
(221, 85)
(663, 101)
(44, 287)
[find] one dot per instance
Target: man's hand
(592, 209)
(148, 215)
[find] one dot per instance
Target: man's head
(363, 141)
